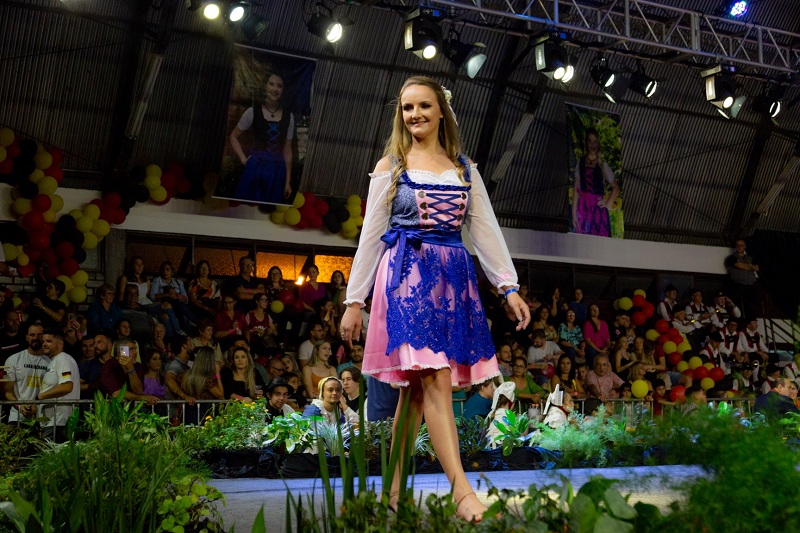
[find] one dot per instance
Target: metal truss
(639, 28)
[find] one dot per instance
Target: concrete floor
(654, 485)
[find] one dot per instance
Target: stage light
(422, 35)
(236, 11)
(325, 27)
(470, 56)
(211, 10)
(737, 9)
(611, 82)
(252, 26)
(769, 101)
(553, 61)
(720, 88)
(643, 84)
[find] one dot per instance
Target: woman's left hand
(521, 310)
(287, 191)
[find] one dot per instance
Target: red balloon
(315, 222)
(13, 149)
(659, 351)
(662, 326)
(716, 373)
(183, 186)
(321, 207)
(701, 372)
(57, 155)
(41, 203)
(176, 169)
(662, 339)
(112, 200)
(303, 224)
(65, 250)
(689, 372)
(49, 228)
(39, 240)
(674, 358)
(7, 165)
(52, 272)
(26, 270)
(309, 198)
(34, 254)
(33, 220)
(49, 257)
(678, 394)
(115, 216)
(169, 181)
(56, 173)
(307, 211)
(69, 266)
(648, 309)
(298, 307)
(638, 318)
(286, 297)
(676, 337)
(638, 300)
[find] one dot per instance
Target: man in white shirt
(666, 308)
(541, 355)
(724, 309)
(751, 345)
(697, 311)
(62, 381)
(316, 334)
(25, 372)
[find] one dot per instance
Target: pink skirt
(402, 365)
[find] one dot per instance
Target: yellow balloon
(695, 362)
(101, 228)
(684, 347)
(681, 366)
(354, 199)
(57, 201)
(359, 220)
(651, 335)
(709, 366)
(158, 194)
(17, 302)
(22, 206)
(91, 211)
(282, 208)
(153, 170)
(84, 224)
(80, 278)
(350, 234)
(47, 185)
(10, 251)
(42, 159)
(77, 295)
(639, 388)
(3, 153)
(640, 292)
(76, 213)
(706, 383)
(22, 260)
(625, 303)
(276, 306)
(67, 281)
(152, 182)
(65, 298)
(354, 210)
(6, 136)
(292, 216)
(670, 347)
(36, 176)
(349, 225)
(89, 241)
(615, 305)
(277, 217)
(50, 216)
(299, 201)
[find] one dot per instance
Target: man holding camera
(122, 370)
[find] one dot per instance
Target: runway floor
(654, 485)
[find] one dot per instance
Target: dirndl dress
(426, 292)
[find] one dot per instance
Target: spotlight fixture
(643, 84)
(769, 101)
(237, 11)
(211, 10)
(253, 25)
(323, 25)
(721, 88)
(470, 56)
(611, 82)
(737, 9)
(422, 34)
(552, 59)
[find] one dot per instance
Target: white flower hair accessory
(447, 95)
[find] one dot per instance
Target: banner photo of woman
(595, 172)
(267, 133)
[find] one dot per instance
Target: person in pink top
(602, 380)
(596, 336)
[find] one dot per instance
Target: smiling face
(331, 392)
(278, 397)
(421, 111)
(592, 143)
(273, 88)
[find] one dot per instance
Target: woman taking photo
(570, 337)
(318, 367)
(239, 379)
(425, 188)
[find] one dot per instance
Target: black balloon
(137, 175)
(79, 255)
(28, 189)
(65, 224)
(23, 166)
(14, 234)
(332, 223)
(76, 238)
(142, 193)
(341, 213)
(28, 149)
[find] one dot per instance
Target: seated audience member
(480, 403)
(103, 313)
(312, 291)
(751, 345)
(355, 358)
(318, 367)
(60, 382)
(581, 370)
(504, 325)
(525, 387)
(660, 398)
(228, 322)
(570, 337)
(542, 354)
(243, 286)
(165, 288)
(695, 398)
(158, 341)
(698, 312)
(666, 307)
(91, 367)
(46, 308)
(596, 335)
(203, 292)
(773, 373)
(140, 315)
(153, 381)
(619, 327)
(524, 293)
(275, 283)
(240, 381)
(337, 292)
(122, 330)
(679, 321)
(565, 376)
(502, 403)
(298, 398)
(202, 382)
(623, 361)
(276, 368)
(579, 307)
(180, 346)
(134, 277)
(543, 322)
(730, 342)
(290, 363)
(331, 404)
(745, 380)
(315, 335)
(724, 310)
(713, 352)
(122, 370)
(86, 348)
(12, 337)
(601, 380)
(279, 393)
(259, 329)
(558, 408)
(205, 339)
(327, 317)
(504, 357)
(776, 403)
(351, 383)
(6, 298)
(558, 307)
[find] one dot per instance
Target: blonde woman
(318, 367)
(202, 381)
(331, 404)
(428, 331)
(239, 379)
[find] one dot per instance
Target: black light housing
(253, 25)
(325, 27)
(611, 82)
(720, 89)
(643, 84)
(552, 59)
(422, 34)
(470, 56)
(769, 101)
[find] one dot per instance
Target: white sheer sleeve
(370, 247)
(486, 237)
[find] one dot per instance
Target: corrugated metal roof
(684, 164)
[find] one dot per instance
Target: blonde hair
(249, 372)
(323, 381)
(399, 142)
(193, 381)
(315, 353)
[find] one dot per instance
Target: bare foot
(470, 508)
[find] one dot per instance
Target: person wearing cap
(502, 402)
(772, 376)
(714, 353)
(47, 308)
(751, 345)
(775, 403)
(745, 380)
(730, 341)
(278, 393)
(696, 311)
(480, 403)
(680, 322)
(723, 310)
(666, 307)
(558, 408)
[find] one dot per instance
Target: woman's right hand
(244, 160)
(350, 327)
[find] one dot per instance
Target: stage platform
(654, 485)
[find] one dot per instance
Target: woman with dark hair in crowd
(104, 313)
(337, 292)
(558, 306)
(47, 308)
(134, 275)
(275, 283)
(570, 337)
(351, 383)
(312, 291)
(318, 367)
(542, 321)
(153, 381)
(278, 394)
(203, 291)
(228, 322)
(327, 317)
(202, 382)
(525, 388)
(259, 329)
(239, 379)
(596, 335)
(622, 360)
(565, 376)
(524, 293)
(205, 338)
(167, 288)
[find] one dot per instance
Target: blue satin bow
(415, 237)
